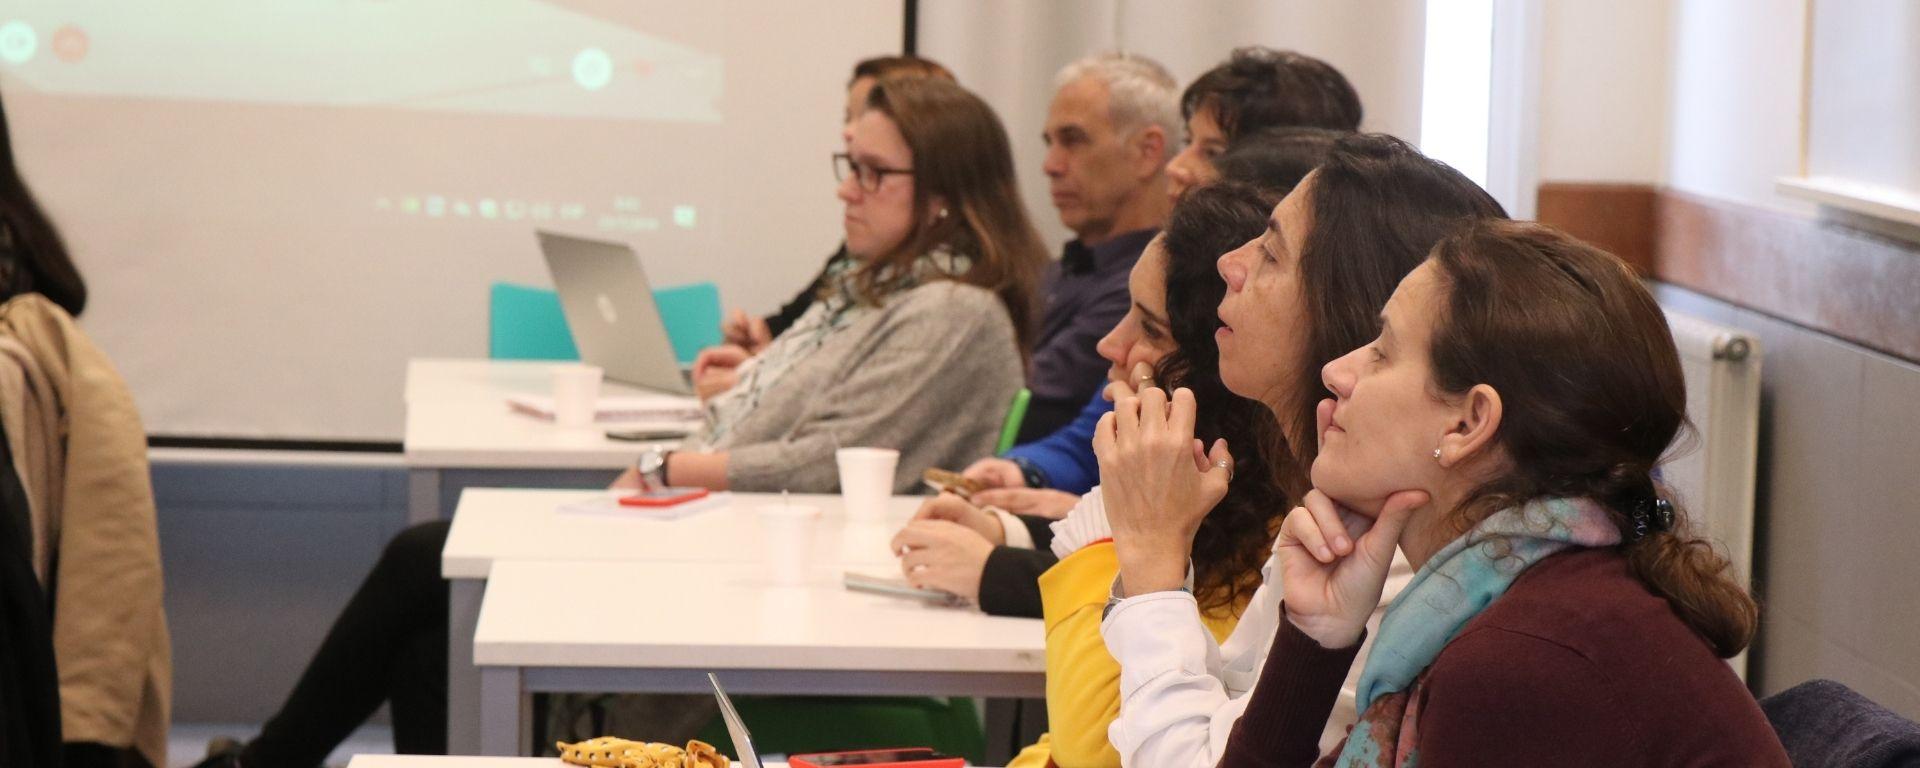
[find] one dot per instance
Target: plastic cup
(576, 393)
(787, 533)
(866, 481)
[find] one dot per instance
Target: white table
(660, 627)
(493, 525)
(442, 761)
(456, 761)
(460, 433)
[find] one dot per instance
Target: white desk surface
(457, 417)
(495, 524)
(732, 616)
(452, 761)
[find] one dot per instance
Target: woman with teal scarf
(1502, 431)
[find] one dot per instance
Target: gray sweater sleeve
(931, 375)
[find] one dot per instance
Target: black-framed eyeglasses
(870, 176)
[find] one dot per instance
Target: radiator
(1713, 473)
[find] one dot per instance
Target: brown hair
(1592, 394)
(960, 154)
(1260, 88)
(883, 67)
(1378, 208)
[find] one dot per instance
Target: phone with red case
(916, 757)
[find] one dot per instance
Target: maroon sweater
(1577, 664)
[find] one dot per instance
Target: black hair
(1234, 538)
(32, 257)
(1260, 87)
(1276, 157)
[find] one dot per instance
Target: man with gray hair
(1110, 131)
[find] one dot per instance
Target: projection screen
(276, 204)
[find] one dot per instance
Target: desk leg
(463, 678)
(423, 495)
(505, 729)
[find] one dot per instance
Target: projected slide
(450, 112)
(277, 203)
(509, 56)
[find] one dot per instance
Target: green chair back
(1016, 416)
(792, 725)
(526, 323)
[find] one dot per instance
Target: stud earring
(1436, 454)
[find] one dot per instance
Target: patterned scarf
(840, 308)
(1461, 580)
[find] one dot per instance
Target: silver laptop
(742, 743)
(610, 309)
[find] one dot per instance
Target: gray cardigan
(931, 373)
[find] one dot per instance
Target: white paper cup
(866, 480)
(576, 393)
(787, 533)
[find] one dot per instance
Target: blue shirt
(1065, 457)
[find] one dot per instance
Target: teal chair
(526, 323)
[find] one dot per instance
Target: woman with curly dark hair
(1304, 293)
(1167, 336)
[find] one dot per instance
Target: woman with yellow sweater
(1167, 336)
(1314, 285)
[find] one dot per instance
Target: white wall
(1008, 51)
(1603, 100)
(1735, 120)
(1703, 96)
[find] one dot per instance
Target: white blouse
(1180, 692)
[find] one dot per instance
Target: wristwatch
(651, 468)
(1034, 476)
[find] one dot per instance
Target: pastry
(611, 752)
(951, 482)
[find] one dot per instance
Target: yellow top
(1083, 680)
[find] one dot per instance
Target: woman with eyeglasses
(715, 369)
(917, 342)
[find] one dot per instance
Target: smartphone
(918, 757)
(645, 435)
(662, 497)
(892, 587)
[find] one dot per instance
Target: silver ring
(1226, 465)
